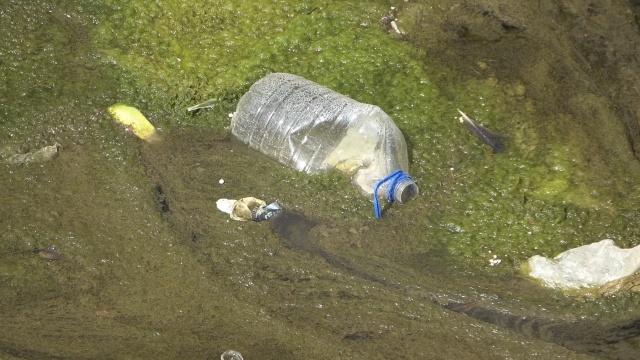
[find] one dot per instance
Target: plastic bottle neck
(400, 188)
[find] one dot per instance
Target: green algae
(511, 204)
(226, 47)
(124, 255)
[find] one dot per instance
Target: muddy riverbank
(145, 266)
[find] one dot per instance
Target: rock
(41, 155)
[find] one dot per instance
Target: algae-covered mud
(115, 248)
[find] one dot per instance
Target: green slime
(539, 198)
(136, 282)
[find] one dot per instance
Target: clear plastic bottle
(311, 128)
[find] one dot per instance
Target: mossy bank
(543, 195)
(150, 268)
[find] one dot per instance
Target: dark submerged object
(50, 254)
(487, 136)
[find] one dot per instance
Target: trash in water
(585, 266)
(485, 135)
(231, 355)
(249, 208)
(50, 254)
(41, 155)
(133, 120)
(205, 105)
(265, 212)
(311, 128)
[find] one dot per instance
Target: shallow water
(149, 268)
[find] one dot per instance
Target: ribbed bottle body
(311, 128)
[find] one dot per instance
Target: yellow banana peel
(133, 119)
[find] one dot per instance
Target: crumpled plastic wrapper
(248, 208)
(586, 266)
(231, 355)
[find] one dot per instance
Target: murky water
(115, 249)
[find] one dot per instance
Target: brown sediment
(585, 336)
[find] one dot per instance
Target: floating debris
(487, 136)
(248, 208)
(262, 213)
(586, 266)
(132, 119)
(231, 355)
(50, 254)
(205, 105)
(41, 155)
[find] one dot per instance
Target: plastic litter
(231, 355)
(249, 208)
(205, 105)
(133, 119)
(399, 189)
(585, 266)
(311, 128)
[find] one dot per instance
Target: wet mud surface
(589, 337)
(300, 233)
(115, 249)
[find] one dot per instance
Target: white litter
(248, 208)
(586, 266)
(225, 205)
